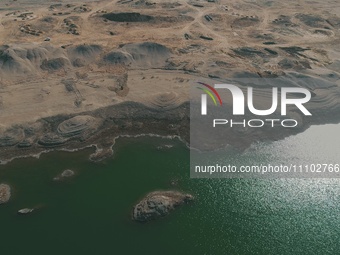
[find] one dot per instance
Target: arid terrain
(73, 74)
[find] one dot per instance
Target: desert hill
(78, 61)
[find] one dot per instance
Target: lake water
(91, 213)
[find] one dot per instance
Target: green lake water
(91, 213)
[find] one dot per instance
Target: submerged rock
(65, 174)
(5, 193)
(25, 211)
(159, 204)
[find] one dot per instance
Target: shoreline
(102, 139)
(37, 156)
(102, 152)
(102, 127)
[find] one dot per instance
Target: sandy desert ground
(79, 73)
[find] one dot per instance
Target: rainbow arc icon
(209, 90)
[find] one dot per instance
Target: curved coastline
(118, 122)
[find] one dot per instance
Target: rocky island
(64, 175)
(25, 211)
(158, 204)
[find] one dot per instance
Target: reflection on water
(311, 154)
(317, 145)
(277, 216)
(91, 213)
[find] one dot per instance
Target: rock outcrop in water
(5, 193)
(159, 204)
(25, 211)
(65, 174)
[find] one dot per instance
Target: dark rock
(284, 21)
(264, 36)
(245, 74)
(322, 32)
(269, 43)
(294, 50)
(245, 22)
(54, 64)
(117, 57)
(294, 64)
(69, 84)
(213, 76)
(187, 36)
(48, 19)
(311, 20)
(224, 64)
(248, 52)
(334, 21)
(208, 17)
(272, 52)
(159, 204)
(79, 62)
(270, 74)
(25, 143)
(127, 17)
(206, 38)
